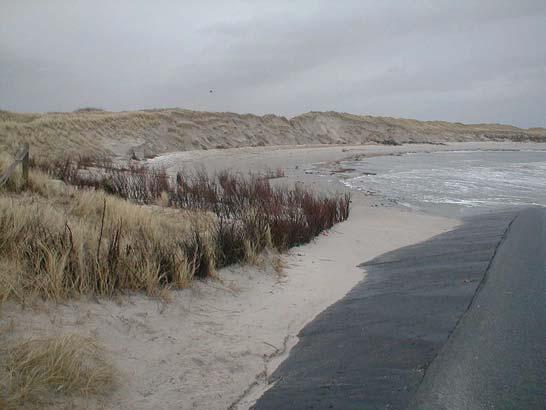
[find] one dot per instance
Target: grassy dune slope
(119, 229)
(152, 132)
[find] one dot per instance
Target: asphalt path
(470, 301)
(495, 358)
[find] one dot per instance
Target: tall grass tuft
(99, 244)
(100, 231)
(38, 372)
(245, 206)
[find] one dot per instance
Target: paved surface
(496, 357)
(370, 350)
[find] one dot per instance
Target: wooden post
(23, 159)
(24, 163)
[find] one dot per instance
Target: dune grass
(57, 241)
(152, 132)
(247, 208)
(94, 228)
(93, 243)
(41, 372)
(88, 132)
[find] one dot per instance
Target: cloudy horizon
(465, 61)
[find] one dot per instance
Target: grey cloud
(461, 61)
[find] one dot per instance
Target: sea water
(455, 181)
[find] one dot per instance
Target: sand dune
(152, 132)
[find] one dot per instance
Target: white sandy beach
(214, 345)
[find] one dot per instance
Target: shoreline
(283, 154)
(215, 344)
(290, 158)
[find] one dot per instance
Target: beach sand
(213, 346)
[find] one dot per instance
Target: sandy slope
(153, 132)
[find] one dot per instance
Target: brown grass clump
(251, 214)
(58, 242)
(39, 372)
(98, 229)
(98, 244)
(39, 181)
(278, 217)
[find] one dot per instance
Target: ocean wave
(476, 179)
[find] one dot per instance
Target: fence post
(23, 159)
(24, 164)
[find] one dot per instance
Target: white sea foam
(488, 179)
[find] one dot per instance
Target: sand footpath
(214, 345)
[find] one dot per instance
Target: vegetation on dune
(100, 229)
(152, 132)
(93, 243)
(88, 227)
(87, 131)
(46, 372)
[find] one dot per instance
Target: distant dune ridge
(148, 133)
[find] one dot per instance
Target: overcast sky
(468, 61)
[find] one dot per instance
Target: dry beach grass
(102, 229)
(98, 234)
(149, 133)
(41, 372)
